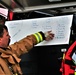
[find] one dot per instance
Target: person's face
(5, 40)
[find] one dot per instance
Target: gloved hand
(48, 35)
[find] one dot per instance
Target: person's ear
(0, 39)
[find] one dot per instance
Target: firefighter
(9, 55)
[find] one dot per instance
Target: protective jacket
(68, 65)
(9, 57)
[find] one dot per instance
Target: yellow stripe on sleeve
(41, 38)
(36, 38)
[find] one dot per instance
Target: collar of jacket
(11, 57)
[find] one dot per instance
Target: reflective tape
(74, 73)
(38, 37)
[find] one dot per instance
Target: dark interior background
(44, 60)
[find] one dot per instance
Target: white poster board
(60, 26)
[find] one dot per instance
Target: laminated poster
(60, 26)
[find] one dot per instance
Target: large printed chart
(60, 26)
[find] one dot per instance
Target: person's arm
(27, 43)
